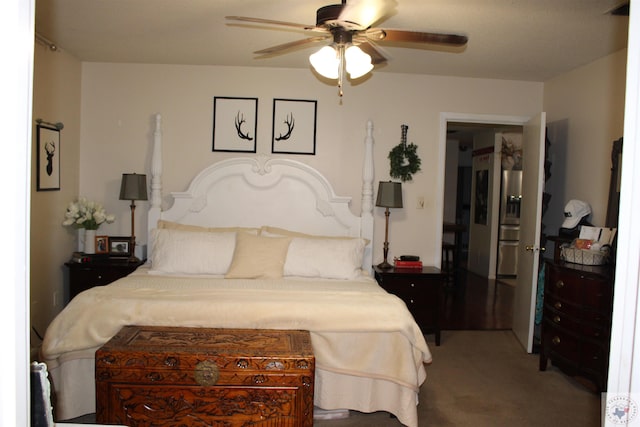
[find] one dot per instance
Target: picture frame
(102, 244)
(119, 247)
(48, 158)
(294, 126)
(235, 124)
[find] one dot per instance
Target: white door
(533, 147)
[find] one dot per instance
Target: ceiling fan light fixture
(358, 63)
(326, 62)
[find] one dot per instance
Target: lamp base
(384, 265)
(133, 259)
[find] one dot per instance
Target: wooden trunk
(169, 376)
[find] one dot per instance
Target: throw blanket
(356, 327)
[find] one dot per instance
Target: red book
(408, 264)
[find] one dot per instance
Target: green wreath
(399, 168)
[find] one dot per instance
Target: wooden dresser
(420, 289)
(576, 321)
(170, 376)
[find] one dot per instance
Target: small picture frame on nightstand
(102, 244)
(119, 247)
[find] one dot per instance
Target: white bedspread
(357, 329)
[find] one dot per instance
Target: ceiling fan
(349, 25)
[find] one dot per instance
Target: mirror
(614, 185)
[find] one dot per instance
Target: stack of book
(80, 257)
(398, 263)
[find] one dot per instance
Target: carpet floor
(486, 379)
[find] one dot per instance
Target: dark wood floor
(477, 303)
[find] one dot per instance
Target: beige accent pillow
(164, 224)
(190, 252)
(258, 257)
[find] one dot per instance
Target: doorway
(463, 141)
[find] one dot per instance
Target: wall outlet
(420, 202)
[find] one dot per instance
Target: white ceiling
(532, 40)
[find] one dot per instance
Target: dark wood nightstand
(98, 272)
(420, 289)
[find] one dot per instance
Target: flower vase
(80, 239)
(90, 241)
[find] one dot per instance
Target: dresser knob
(559, 284)
(99, 276)
(413, 285)
(558, 305)
(411, 300)
(556, 340)
(556, 319)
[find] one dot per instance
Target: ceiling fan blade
(378, 34)
(365, 13)
(288, 46)
(376, 56)
(272, 22)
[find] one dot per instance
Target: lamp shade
(326, 62)
(389, 194)
(133, 187)
(358, 62)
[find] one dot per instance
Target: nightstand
(98, 272)
(420, 289)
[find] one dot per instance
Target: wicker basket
(585, 256)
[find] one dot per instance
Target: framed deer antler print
(235, 121)
(294, 126)
(48, 158)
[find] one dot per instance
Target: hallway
(477, 303)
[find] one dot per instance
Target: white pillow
(327, 258)
(192, 252)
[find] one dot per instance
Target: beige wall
(116, 103)
(119, 100)
(56, 98)
(585, 114)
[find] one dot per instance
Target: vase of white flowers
(86, 216)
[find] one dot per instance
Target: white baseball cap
(574, 212)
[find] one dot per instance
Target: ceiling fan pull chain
(340, 48)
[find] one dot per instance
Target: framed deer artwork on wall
(48, 157)
(235, 121)
(294, 126)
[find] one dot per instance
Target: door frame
(445, 118)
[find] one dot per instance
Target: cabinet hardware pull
(413, 285)
(206, 373)
(558, 305)
(559, 284)
(556, 319)
(556, 340)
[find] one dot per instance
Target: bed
(263, 243)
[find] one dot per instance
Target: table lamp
(389, 196)
(133, 187)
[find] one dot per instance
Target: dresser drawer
(580, 289)
(581, 325)
(83, 276)
(562, 343)
(95, 276)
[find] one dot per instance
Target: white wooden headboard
(263, 190)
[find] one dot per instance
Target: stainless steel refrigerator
(509, 234)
